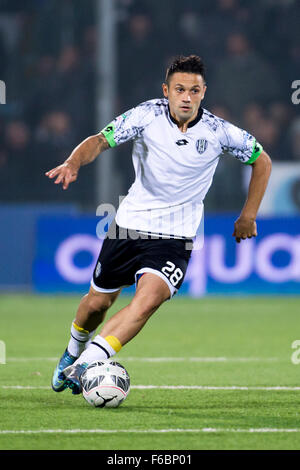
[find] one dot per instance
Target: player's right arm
(123, 128)
(84, 153)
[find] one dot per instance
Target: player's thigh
(166, 258)
(116, 265)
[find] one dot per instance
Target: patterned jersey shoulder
(214, 123)
(131, 124)
(233, 140)
(157, 105)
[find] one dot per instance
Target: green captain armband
(256, 151)
(109, 133)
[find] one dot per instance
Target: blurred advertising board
(282, 196)
(67, 249)
(18, 224)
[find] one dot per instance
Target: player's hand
(244, 228)
(64, 174)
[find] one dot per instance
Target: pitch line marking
(199, 359)
(147, 431)
(160, 359)
(175, 387)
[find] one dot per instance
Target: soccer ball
(105, 384)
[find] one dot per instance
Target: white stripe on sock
(96, 351)
(79, 341)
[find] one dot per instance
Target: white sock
(79, 341)
(99, 349)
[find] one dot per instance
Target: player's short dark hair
(188, 64)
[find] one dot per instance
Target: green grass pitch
(213, 364)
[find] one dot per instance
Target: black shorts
(123, 259)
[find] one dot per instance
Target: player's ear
(165, 89)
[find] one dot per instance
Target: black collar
(192, 123)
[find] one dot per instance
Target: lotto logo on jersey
(181, 142)
(201, 145)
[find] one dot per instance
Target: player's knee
(98, 303)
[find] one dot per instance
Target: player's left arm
(245, 225)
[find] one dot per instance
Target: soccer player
(176, 147)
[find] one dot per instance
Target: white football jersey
(173, 170)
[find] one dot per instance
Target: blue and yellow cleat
(58, 379)
(72, 376)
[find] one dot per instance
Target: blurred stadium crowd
(48, 54)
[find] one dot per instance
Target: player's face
(185, 93)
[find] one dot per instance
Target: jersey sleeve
(240, 144)
(127, 126)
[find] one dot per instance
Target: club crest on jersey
(98, 269)
(201, 145)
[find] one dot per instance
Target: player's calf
(90, 314)
(93, 307)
